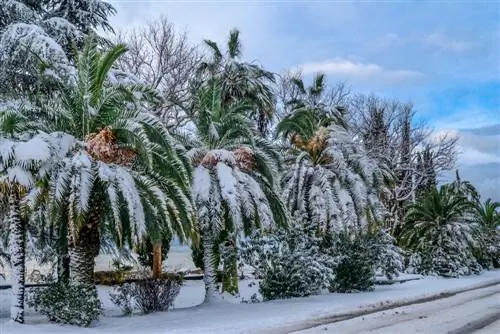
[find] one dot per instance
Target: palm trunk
(209, 276)
(17, 239)
(62, 252)
(84, 240)
(157, 260)
(230, 279)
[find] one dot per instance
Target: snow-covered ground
(462, 313)
(235, 317)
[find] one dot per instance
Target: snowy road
(475, 311)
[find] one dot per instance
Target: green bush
(73, 304)
(354, 270)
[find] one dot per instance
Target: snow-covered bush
(389, 258)
(289, 262)
(122, 296)
(354, 270)
(443, 261)
(72, 304)
(148, 295)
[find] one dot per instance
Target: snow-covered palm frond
(122, 153)
(235, 181)
(330, 176)
(440, 213)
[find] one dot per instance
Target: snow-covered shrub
(443, 261)
(290, 262)
(123, 298)
(148, 295)
(67, 304)
(155, 295)
(388, 257)
(354, 270)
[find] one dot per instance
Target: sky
(441, 55)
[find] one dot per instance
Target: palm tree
(123, 169)
(25, 159)
(487, 214)
(329, 176)
(234, 183)
(439, 228)
(240, 81)
(488, 217)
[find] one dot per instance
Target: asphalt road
(476, 311)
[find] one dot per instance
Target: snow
(233, 317)
(201, 184)
(440, 316)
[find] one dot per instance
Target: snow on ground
(463, 311)
(233, 317)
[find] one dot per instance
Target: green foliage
(440, 232)
(72, 304)
(488, 217)
(355, 269)
(145, 250)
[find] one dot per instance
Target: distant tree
(240, 81)
(162, 58)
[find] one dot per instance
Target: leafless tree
(162, 57)
(391, 132)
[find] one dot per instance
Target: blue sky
(442, 55)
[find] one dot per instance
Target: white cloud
(357, 71)
(443, 42)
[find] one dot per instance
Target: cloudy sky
(442, 55)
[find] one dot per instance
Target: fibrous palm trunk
(84, 243)
(157, 260)
(62, 251)
(209, 274)
(17, 239)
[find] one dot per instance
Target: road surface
(476, 311)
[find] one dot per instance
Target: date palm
(25, 159)
(487, 214)
(329, 176)
(439, 228)
(123, 168)
(234, 183)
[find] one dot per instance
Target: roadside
(281, 316)
(460, 313)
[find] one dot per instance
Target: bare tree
(162, 57)
(389, 131)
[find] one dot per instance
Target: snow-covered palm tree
(440, 228)
(124, 169)
(487, 214)
(25, 160)
(329, 175)
(240, 80)
(235, 179)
